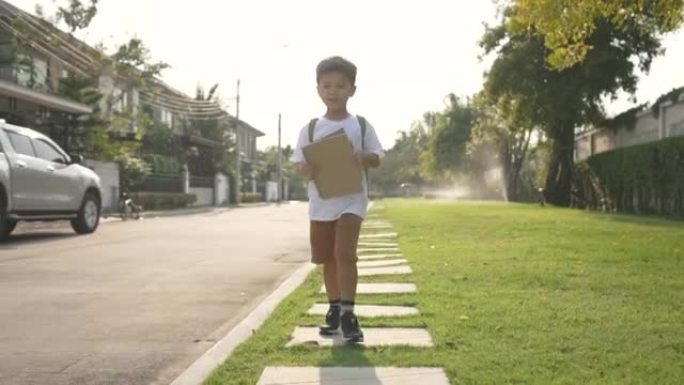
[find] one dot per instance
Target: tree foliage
(401, 163)
(76, 15)
(449, 132)
(567, 26)
(132, 60)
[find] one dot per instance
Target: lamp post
(280, 163)
(238, 161)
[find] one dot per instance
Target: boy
(336, 222)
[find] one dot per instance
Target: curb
(203, 366)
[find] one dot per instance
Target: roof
(47, 100)
(231, 119)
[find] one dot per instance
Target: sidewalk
(189, 210)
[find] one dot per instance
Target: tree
(401, 163)
(568, 25)
(449, 131)
(558, 101)
(500, 128)
(209, 159)
(76, 15)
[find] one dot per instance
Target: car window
(22, 144)
(45, 150)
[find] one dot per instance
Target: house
(649, 125)
(36, 59)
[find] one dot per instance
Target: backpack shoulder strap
(312, 127)
(362, 124)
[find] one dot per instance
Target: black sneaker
(350, 327)
(332, 322)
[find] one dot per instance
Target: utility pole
(280, 163)
(238, 161)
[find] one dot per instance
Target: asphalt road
(138, 301)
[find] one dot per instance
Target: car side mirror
(76, 159)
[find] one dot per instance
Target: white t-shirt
(331, 209)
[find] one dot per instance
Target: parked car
(41, 182)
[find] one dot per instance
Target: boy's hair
(336, 64)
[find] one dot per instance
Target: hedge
(643, 179)
(162, 201)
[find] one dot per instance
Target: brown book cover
(337, 174)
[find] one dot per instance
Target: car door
(61, 180)
(28, 185)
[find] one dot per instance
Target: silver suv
(39, 182)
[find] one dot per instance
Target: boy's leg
(322, 238)
(347, 231)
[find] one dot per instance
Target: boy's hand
(358, 158)
(366, 160)
(307, 170)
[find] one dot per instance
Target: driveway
(138, 301)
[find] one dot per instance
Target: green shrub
(162, 164)
(162, 201)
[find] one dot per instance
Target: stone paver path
(352, 376)
(371, 337)
(384, 262)
(379, 256)
(378, 235)
(376, 258)
(378, 244)
(388, 270)
(377, 250)
(369, 310)
(383, 288)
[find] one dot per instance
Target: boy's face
(335, 89)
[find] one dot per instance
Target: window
(21, 143)
(45, 150)
(167, 117)
(119, 99)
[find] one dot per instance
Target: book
(337, 174)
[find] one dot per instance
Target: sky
(410, 55)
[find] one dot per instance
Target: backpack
(362, 124)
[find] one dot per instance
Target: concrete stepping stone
(274, 375)
(375, 221)
(384, 262)
(388, 270)
(371, 337)
(382, 288)
(378, 235)
(378, 256)
(369, 310)
(378, 226)
(378, 244)
(377, 249)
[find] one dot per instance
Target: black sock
(347, 306)
(335, 303)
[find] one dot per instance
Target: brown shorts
(335, 239)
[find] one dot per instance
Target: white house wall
(603, 141)
(646, 129)
(675, 119)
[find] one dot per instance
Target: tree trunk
(559, 177)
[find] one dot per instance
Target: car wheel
(6, 226)
(88, 215)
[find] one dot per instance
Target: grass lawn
(511, 294)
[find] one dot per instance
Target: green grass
(512, 294)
